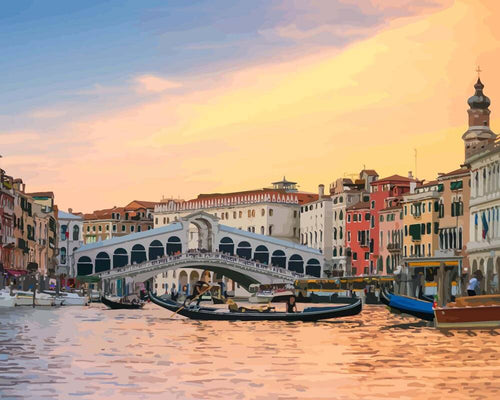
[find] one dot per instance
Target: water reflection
(94, 353)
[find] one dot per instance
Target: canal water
(94, 353)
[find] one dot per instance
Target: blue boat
(408, 305)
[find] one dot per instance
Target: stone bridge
(248, 257)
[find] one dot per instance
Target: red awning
(16, 272)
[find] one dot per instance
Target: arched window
(341, 215)
(313, 267)
(102, 262)
(270, 230)
(120, 258)
(156, 250)
(335, 252)
(138, 254)
(340, 233)
(262, 212)
(278, 259)
(84, 266)
(244, 250)
(334, 233)
(262, 230)
(226, 245)
(261, 254)
(174, 245)
(64, 228)
(341, 251)
(296, 263)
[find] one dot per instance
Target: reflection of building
(70, 239)
(118, 221)
(482, 155)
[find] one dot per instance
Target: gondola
(309, 314)
(114, 305)
(408, 305)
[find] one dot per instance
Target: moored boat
(6, 299)
(25, 298)
(69, 298)
(116, 305)
(272, 293)
(408, 305)
(309, 314)
(469, 312)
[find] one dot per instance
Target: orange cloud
(155, 84)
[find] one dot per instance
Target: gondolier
(199, 288)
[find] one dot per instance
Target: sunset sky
(104, 102)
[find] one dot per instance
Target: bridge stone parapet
(247, 271)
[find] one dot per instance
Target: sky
(104, 102)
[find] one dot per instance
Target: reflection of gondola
(114, 305)
(309, 314)
(408, 305)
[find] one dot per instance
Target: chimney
(410, 175)
(321, 191)
(70, 210)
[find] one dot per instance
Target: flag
(66, 234)
(475, 219)
(485, 225)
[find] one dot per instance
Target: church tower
(479, 134)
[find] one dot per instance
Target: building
(269, 211)
(137, 216)
(482, 156)
(70, 227)
(390, 236)
(7, 218)
(344, 193)
(316, 225)
(380, 191)
(421, 221)
(358, 238)
(454, 213)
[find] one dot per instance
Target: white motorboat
(70, 298)
(6, 300)
(41, 299)
(277, 292)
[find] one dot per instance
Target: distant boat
(69, 298)
(309, 314)
(470, 312)
(408, 305)
(116, 305)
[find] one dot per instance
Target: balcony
(394, 247)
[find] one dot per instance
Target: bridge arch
(261, 254)
(226, 245)
(138, 254)
(183, 280)
(156, 250)
(120, 258)
(244, 250)
(278, 259)
(296, 263)
(313, 267)
(174, 245)
(102, 262)
(84, 266)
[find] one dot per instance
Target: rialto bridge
(242, 256)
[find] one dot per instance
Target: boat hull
(120, 306)
(408, 305)
(468, 317)
(212, 314)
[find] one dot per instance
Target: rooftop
(360, 205)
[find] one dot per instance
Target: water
(94, 353)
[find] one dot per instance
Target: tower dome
(479, 100)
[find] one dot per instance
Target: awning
(88, 279)
(450, 263)
(16, 272)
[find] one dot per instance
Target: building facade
(358, 239)
(7, 217)
(70, 227)
(390, 236)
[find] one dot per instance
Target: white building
(70, 238)
(482, 155)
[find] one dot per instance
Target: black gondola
(114, 305)
(408, 305)
(310, 314)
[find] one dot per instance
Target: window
(138, 228)
(123, 228)
(372, 204)
(271, 211)
(156, 220)
(382, 218)
(271, 230)
(429, 228)
(355, 218)
(253, 213)
(100, 228)
(164, 220)
(234, 214)
(240, 214)
(132, 228)
(406, 210)
(341, 234)
(457, 185)
(114, 228)
(341, 199)
(440, 187)
(262, 212)
(249, 213)
(348, 217)
(348, 236)
(262, 230)
(341, 215)
(107, 228)
(372, 222)
(367, 256)
(354, 255)
(367, 217)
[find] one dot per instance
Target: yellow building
(421, 221)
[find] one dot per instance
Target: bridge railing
(181, 258)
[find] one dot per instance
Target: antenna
(415, 163)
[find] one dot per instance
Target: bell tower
(479, 135)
